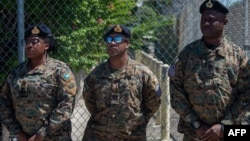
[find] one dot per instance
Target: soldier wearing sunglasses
(120, 94)
(38, 96)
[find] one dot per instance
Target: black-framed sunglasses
(116, 39)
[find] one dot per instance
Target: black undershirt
(210, 46)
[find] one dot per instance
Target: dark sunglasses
(116, 39)
(33, 41)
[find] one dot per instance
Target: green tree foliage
(79, 25)
(85, 43)
(156, 25)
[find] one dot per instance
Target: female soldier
(38, 95)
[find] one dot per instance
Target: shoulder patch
(171, 70)
(158, 90)
(66, 76)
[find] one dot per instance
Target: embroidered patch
(158, 90)
(171, 71)
(66, 76)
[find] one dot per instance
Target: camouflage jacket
(40, 100)
(121, 102)
(208, 85)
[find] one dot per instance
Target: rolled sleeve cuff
(228, 120)
(196, 124)
(191, 117)
(14, 130)
(42, 132)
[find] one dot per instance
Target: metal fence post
(245, 29)
(165, 106)
(20, 29)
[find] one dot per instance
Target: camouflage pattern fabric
(243, 107)
(39, 101)
(208, 85)
(121, 102)
(193, 137)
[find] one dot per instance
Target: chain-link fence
(159, 27)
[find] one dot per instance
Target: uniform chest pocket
(47, 87)
(192, 67)
(132, 84)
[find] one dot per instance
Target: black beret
(213, 5)
(38, 30)
(120, 29)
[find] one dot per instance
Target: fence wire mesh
(159, 27)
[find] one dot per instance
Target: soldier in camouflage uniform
(38, 97)
(206, 79)
(120, 94)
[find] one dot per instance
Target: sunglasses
(116, 39)
(33, 41)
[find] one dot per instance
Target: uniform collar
(40, 69)
(109, 72)
(221, 49)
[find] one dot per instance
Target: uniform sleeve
(178, 95)
(151, 95)
(7, 110)
(89, 95)
(242, 101)
(59, 120)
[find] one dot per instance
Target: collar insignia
(35, 30)
(118, 28)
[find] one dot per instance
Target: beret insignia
(118, 28)
(209, 4)
(35, 30)
(214, 5)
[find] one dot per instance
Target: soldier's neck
(34, 63)
(213, 41)
(118, 62)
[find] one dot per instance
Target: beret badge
(209, 4)
(35, 30)
(118, 28)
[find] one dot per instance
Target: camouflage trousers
(62, 138)
(90, 135)
(188, 131)
(189, 137)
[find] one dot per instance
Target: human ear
(225, 21)
(46, 46)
